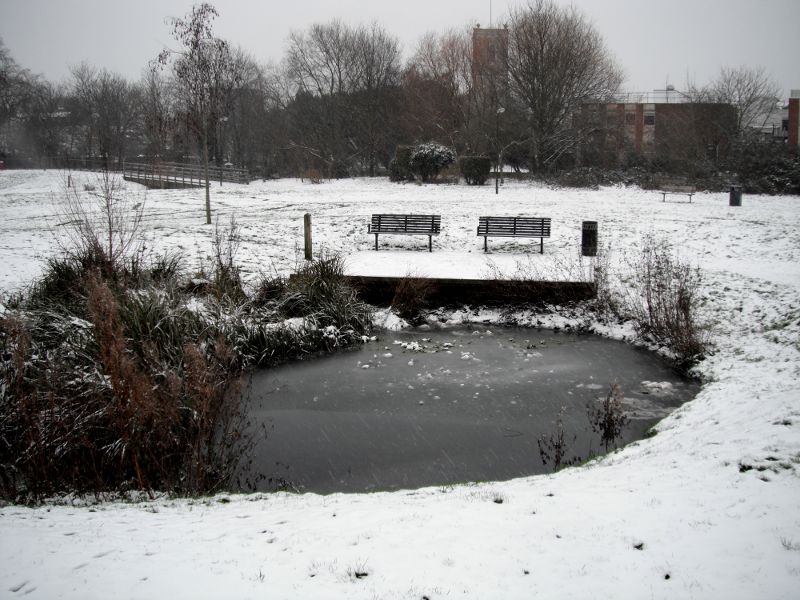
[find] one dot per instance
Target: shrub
(767, 168)
(400, 165)
(411, 298)
(475, 169)
(339, 169)
(312, 174)
(582, 177)
(428, 160)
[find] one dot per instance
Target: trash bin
(589, 238)
(736, 195)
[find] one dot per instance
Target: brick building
(489, 53)
(794, 119)
(615, 133)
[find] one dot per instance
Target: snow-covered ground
(708, 508)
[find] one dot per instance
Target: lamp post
(500, 111)
(220, 146)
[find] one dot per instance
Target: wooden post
(307, 235)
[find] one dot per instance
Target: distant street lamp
(220, 146)
(500, 111)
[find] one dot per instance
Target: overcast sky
(656, 42)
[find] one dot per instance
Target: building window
(649, 119)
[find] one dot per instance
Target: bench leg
(430, 243)
(376, 242)
(485, 244)
(541, 245)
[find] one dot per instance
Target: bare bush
(608, 420)
(665, 299)
(554, 447)
(103, 222)
(607, 298)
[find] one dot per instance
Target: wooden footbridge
(173, 175)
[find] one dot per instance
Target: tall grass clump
(226, 277)
(320, 294)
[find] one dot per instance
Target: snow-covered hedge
(428, 160)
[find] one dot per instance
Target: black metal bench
(406, 225)
(531, 227)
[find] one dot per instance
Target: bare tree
(273, 130)
(29, 110)
(438, 86)
(204, 73)
(242, 114)
(109, 107)
(324, 69)
(556, 61)
(46, 127)
(158, 114)
(751, 91)
(376, 100)
(15, 85)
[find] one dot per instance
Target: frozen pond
(425, 408)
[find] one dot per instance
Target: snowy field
(707, 508)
